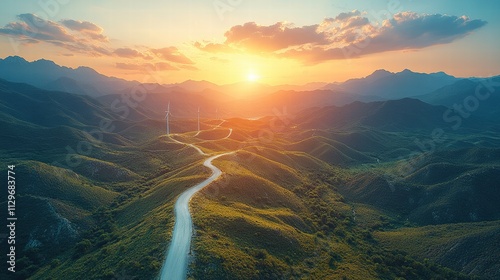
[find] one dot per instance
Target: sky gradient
(273, 42)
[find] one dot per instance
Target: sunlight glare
(252, 77)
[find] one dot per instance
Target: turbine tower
(198, 119)
(167, 117)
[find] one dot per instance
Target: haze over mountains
(85, 80)
(245, 99)
(387, 85)
(330, 182)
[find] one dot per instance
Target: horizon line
(246, 81)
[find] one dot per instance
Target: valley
(175, 265)
(250, 140)
(380, 189)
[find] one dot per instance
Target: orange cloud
(251, 36)
(76, 36)
(166, 56)
(349, 35)
(87, 28)
(172, 54)
(130, 53)
(87, 38)
(214, 47)
(189, 67)
(159, 66)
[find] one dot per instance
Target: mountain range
(380, 85)
(46, 74)
(333, 180)
(383, 84)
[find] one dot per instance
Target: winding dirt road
(175, 265)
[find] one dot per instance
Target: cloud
(172, 54)
(251, 36)
(80, 47)
(81, 25)
(87, 38)
(214, 47)
(76, 36)
(347, 15)
(159, 66)
(261, 39)
(165, 55)
(87, 28)
(348, 35)
(32, 27)
(130, 53)
(189, 67)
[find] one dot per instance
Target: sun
(252, 77)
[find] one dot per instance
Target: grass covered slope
(440, 189)
(271, 216)
(325, 196)
(136, 223)
(85, 201)
(471, 248)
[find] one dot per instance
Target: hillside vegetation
(334, 193)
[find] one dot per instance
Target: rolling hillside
(73, 171)
(330, 193)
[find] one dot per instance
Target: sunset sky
(273, 42)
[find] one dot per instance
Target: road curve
(175, 265)
(190, 145)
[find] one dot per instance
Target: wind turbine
(167, 117)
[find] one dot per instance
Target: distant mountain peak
(46, 74)
(407, 71)
(45, 61)
(381, 71)
(86, 69)
(442, 74)
(383, 84)
(379, 74)
(191, 81)
(15, 59)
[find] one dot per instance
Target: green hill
(328, 196)
(470, 248)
